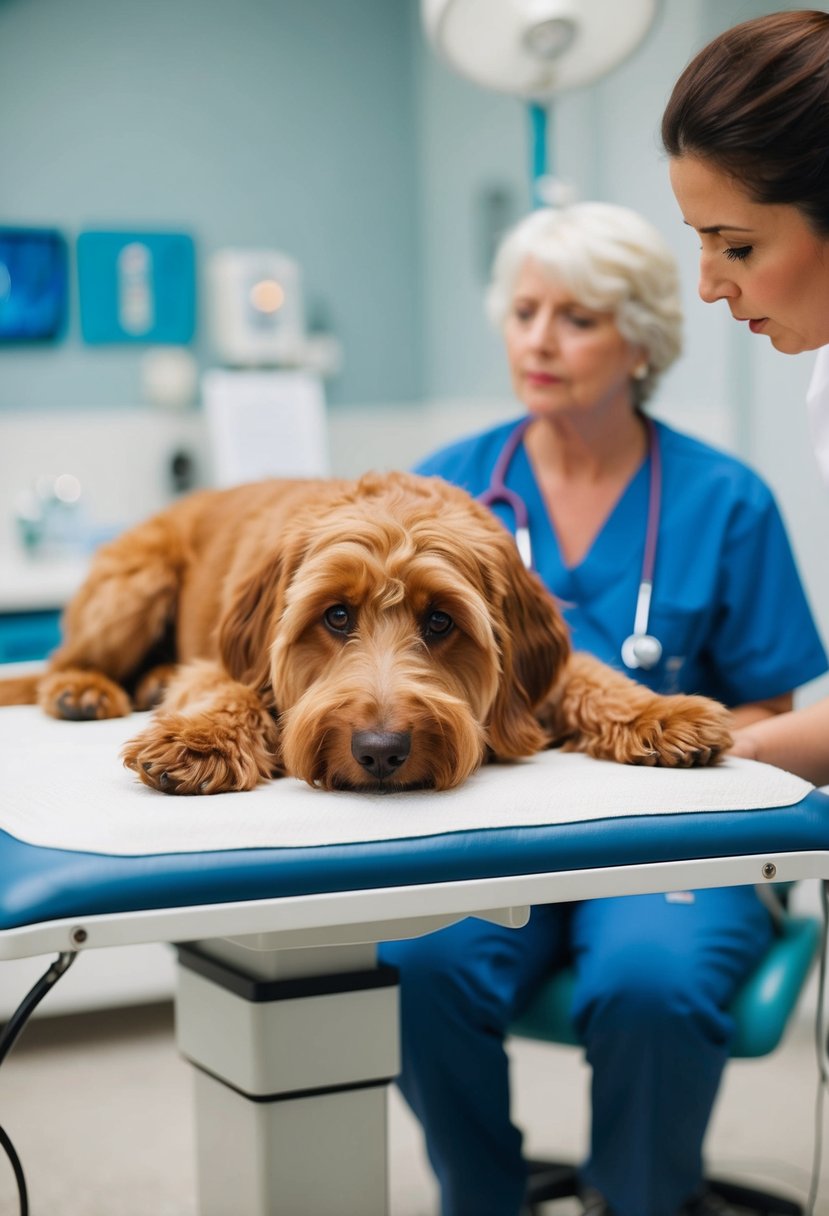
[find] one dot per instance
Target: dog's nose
(380, 752)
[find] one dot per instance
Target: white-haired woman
(587, 301)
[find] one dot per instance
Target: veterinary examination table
(277, 897)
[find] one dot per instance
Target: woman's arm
(797, 741)
(758, 711)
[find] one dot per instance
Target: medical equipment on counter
(169, 377)
(257, 316)
(534, 49)
(255, 308)
(641, 649)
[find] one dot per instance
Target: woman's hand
(797, 741)
(745, 745)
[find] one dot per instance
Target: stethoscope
(641, 649)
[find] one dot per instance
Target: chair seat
(761, 1011)
(761, 1008)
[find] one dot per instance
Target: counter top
(38, 585)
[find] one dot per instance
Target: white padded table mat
(62, 785)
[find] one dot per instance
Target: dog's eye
(437, 625)
(338, 618)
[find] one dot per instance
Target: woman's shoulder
(701, 463)
(469, 459)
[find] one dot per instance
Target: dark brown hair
(755, 103)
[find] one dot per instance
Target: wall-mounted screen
(33, 284)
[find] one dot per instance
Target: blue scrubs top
(728, 605)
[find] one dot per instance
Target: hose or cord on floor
(17, 1168)
(9, 1036)
(822, 1050)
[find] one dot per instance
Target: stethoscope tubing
(499, 491)
(640, 649)
(654, 509)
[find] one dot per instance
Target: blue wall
(288, 124)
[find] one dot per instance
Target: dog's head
(398, 635)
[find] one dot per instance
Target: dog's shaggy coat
(380, 634)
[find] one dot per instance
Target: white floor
(98, 1106)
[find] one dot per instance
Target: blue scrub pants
(655, 977)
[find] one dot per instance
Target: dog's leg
(19, 690)
(597, 710)
(151, 689)
(213, 735)
(122, 610)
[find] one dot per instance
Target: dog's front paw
(196, 754)
(676, 732)
(81, 696)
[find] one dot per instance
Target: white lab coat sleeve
(817, 401)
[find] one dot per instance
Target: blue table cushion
(38, 883)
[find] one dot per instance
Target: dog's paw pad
(82, 696)
(74, 710)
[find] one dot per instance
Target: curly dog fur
(380, 634)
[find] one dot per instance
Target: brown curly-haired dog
(380, 634)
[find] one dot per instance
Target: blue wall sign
(137, 287)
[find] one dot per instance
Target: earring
(641, 372)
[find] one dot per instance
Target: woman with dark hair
(747, 130)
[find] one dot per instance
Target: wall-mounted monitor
(33, 284)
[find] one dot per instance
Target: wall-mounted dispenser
(255, 308)
(256, 313)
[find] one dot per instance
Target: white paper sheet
(265, 424)
(62, 785)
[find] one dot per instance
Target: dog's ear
(248, 624)
(535, 645)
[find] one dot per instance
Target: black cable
(19, 1177)
(821, 1049)
(27, 1006)
(9, 1036)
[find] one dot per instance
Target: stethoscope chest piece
(641, 650)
